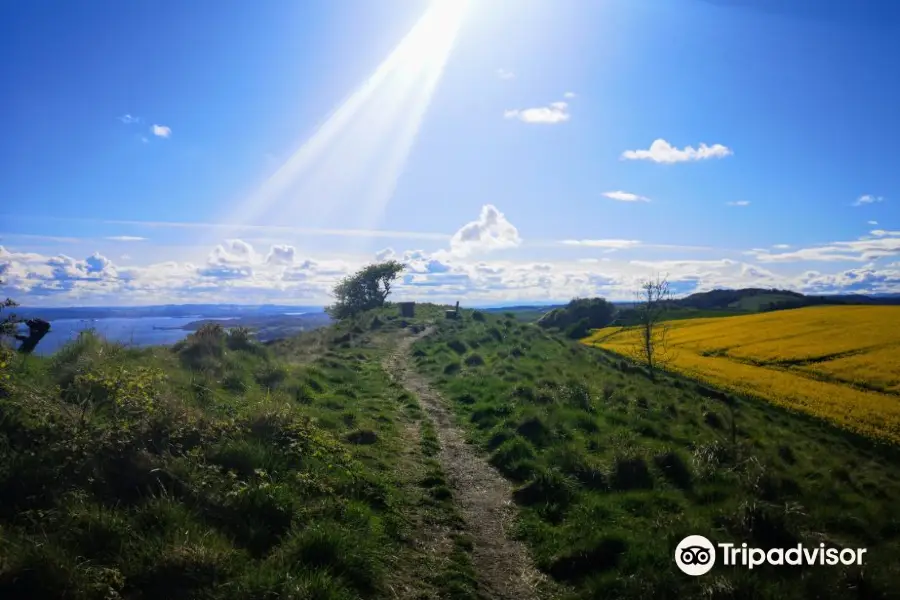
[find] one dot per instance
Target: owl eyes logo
(695, 555)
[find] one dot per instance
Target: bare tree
(653, 298)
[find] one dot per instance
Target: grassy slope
(615, 470)
(216, 469)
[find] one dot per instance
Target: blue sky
(510, 150)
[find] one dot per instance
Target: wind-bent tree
(653, 298)
(366, 289)
(9, 326)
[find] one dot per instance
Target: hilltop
(346, 462)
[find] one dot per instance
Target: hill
(525, 313)
(579, 316)
(758, 299)
(377, 459)
(612, 470)
(723, 303)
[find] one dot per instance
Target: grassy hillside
(613, 470)
(222, 468)
(218, 468)
(835, 362)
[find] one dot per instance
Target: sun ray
(349, 167)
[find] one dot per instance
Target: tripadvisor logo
(696, 555)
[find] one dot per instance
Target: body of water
(137, 331)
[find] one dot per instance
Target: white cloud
(872, 222)
(504, 74)
(386, 254)
(556, 113)
(238, 273)
(738, 203)
(125, 238)
(569, 95)
(884, 244)
(781, 246)
(281, 254)
(161, 131)
(490, 232)
(621, 196)
(128, 119)
(868, 199)
(662, 151)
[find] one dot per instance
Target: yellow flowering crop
(837, 362)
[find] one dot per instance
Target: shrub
(127, 393)
(240, 338)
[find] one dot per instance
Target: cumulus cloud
(490, 232)
(161, 131)
(556, 112)
(232, 252)
(386, 254)
(569, 95)
(872, 222)
(236, 271)
(125, 238)
(739, 203)
(621, 196)
(661, 151)
(430, 276)
(128, 119)
(868, 199)
(96, 263)
(504, 74)
(280, 255)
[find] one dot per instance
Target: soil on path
(484, 497)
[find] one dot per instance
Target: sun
(433, 36)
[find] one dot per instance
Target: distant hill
(722, 303)
(523, 313)
(272, 327)
(579, 316)
(759, 299)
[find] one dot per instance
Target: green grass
(218, 468)
(613, 470)
(222, 468)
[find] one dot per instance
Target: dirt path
(483, 496)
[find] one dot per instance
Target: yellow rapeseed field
(837, 362)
